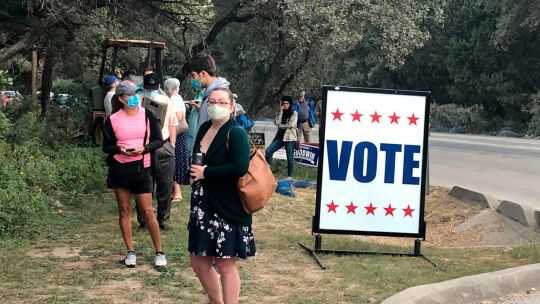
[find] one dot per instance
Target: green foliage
(39, 165)
(455, 117)
(68, 86)
(5, 126)
(21, 207)
(485, 55)
(4, 79)
(534, 122)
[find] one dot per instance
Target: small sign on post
(306, 154)
(257, 139)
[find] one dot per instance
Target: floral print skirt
(211, 235)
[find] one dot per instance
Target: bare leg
(230, 280)
(202, 266)
(177, 192)
(145, 206)
(124, 216)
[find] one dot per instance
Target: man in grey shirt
(305, 124)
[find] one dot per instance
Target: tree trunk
(46, 81)
(266, 94)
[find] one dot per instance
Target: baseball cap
(109, 79)
(151, 81)
(126, 88)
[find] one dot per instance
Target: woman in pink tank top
(129, 135)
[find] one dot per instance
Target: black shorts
(136, 184)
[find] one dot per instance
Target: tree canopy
(480, 53)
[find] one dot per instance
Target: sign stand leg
(313, 251)
(418, 252)
(317, 248)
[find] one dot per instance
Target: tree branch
(216, 29)
(15, 49)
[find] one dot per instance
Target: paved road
(506, 168)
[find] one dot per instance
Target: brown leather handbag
(258, 184)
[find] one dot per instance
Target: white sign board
(373, 159)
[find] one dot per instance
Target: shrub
(452, 116)
(534, 110)
(41, 162)
(21, 205)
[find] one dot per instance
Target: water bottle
(197, 159)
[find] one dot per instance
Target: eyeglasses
(221, 102)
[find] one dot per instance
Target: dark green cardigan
(226, 163)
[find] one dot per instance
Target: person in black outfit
(129, 135)
(219, 228)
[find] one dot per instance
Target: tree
(282, 48)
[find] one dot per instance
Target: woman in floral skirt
(219, 228)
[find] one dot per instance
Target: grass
(74, 261)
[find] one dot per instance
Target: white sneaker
(131, 259)
(160, 260)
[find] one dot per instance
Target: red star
(332, 207)
(394, 119)
(370, 209)
(337, 114)
(413, 119)
(408, 211)
(351, 208)
(389, 210)
(356, 116)
(375, 117)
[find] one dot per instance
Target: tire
(97, 133)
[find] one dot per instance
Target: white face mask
(218, 113)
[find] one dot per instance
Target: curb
(522, 214)
(472, 288)
(513, 211)
(469, 195)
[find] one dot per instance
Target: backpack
(258, 184)
(244, 121)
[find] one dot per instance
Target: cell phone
(130, 150)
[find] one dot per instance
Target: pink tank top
(129, 132)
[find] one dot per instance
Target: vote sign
(373, 162)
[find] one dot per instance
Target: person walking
(219, 228)
(286, 135)
(129, 136)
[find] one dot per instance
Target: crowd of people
(150, 136)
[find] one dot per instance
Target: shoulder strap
(145, 130)
(251, 146)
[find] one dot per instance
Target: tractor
(110, 65)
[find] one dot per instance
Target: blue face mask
(133, 101)
(196, 84)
